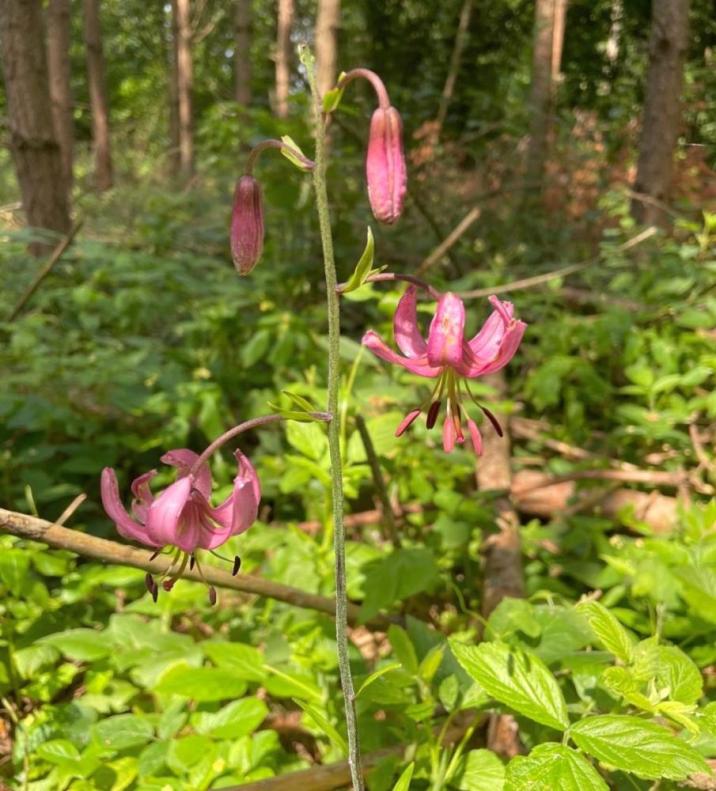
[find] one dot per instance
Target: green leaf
(200, 683)
(516, 678)
(312, 711)
(677, 672)
(291, 685)
(396, 576)
(377, 674)
(480, 770)
(60, 752)
(550, 767)
(308, 439)
(81, 645)
(638, 746)
(403, 783)
(512, 615)
(363, 267)
(403, 648)
(244, 661)
(332, 98)
(430, 664)
(236, 719)
(124, 730)
(611, 634)
(289, 149)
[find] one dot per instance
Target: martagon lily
(181, 517)
(451, 359)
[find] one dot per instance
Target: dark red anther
(212, 595)
(237, 566)
(192, 563)
(495, 422)
(433, 413)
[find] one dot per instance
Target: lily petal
(508, 347)
(126, 526)
(446, 335)
(405, 326)
(143, 495)
(417, 366)
(183, 459)
(164, 514)
(239, 511)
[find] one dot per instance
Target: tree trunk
(35, 150)
(541, 92)
(668, 42)
(58, 62)
(615, 31)
(454, 68)
(242, 55)
(174, 158)
(328, 20)
(184, 78)
(283, 55)
(560, 19)
(98, 96)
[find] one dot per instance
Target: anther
(237, 566)
(495, 422)
(433, 414)
(212, 595)
(192, 561)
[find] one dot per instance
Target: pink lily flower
(181, 516)
(451, 359)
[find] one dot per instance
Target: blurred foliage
(143, 339)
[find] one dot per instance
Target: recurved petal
(419, 366)
(239, 511)
(508, 348)
(126, 526)
(405, 325)
(142, 495)
(485, 344)
(446, 335)
(183, 459)
(164, 514)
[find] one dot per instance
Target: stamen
(191, 563)
(155, 593)
(406, 422)
(149, 582)
(212, 595)
(433, 413)
(495, 422)
(237, 566)
(155, 554)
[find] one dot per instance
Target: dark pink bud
(247, 225)
(385, 165)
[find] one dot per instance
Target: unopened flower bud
(385, 165)
(247, 225)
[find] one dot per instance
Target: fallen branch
(337, 775)
(565, 271)
(537, 494)
(648, 477)
(450, 240)
(55, 256)
(59, 537)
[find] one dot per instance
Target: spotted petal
(183, 459)
(446, 335)
(165, 513)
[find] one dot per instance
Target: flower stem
(247, 425)
(334, 336)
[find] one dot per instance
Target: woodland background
(563, 152)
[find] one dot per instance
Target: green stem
(334, 442)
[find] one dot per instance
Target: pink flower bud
(385, 165)
(247, 225)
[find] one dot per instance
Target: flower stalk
(334, 335)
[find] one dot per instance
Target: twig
(71, 508)
(106, 551)
(649, 477)
(565, 271)
(378, 480)
(55, 256)
(450, 240)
